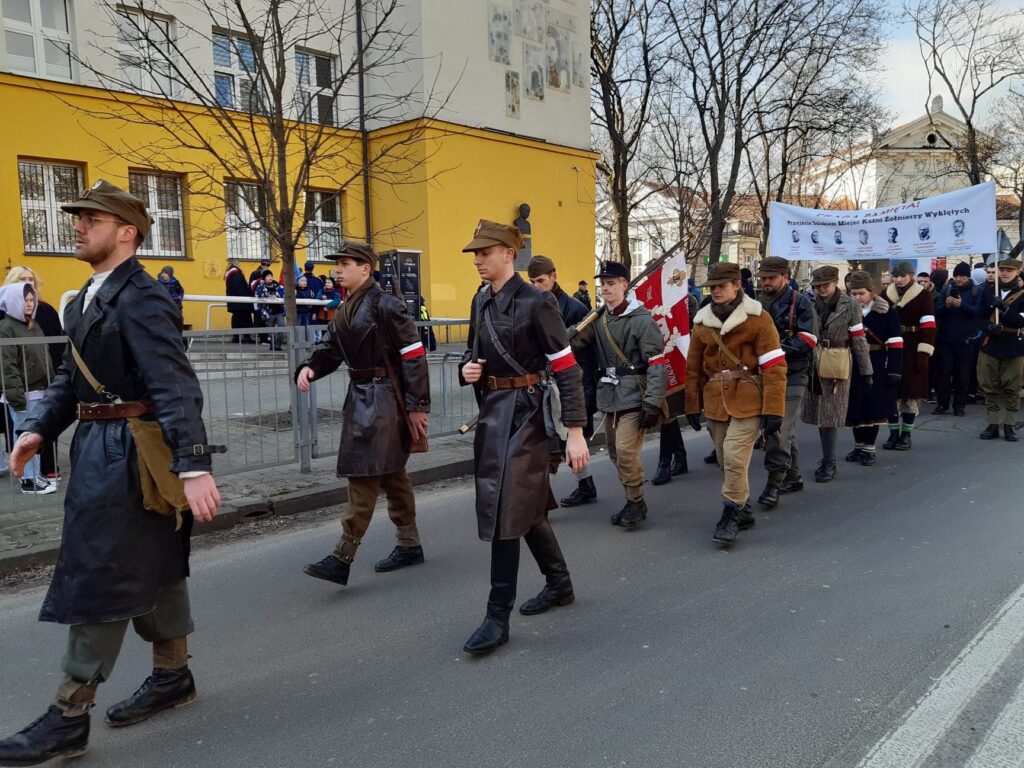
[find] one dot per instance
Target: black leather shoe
(329, 569)
(792, 484)
(492, 634)
(49, 736)
(903, 443)
(894, 438)
(991, 432)
(745, 517)
(163, 689)
(868, 459)
(711, 458)
(664, 473)
(679, 464)
(728, 526)
(634, 513)
(825, 472)
(855, 455)
(400, 557)
(555, 593)
(584, 494)
(1009, 435)
(940, 410)
(769, 497)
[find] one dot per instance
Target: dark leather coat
(1003, 345)
(511, 445)
(374, 438)
(115, 556)
(799, 336)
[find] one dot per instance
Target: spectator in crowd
(304, 312)
(885, 281)
(990, 274)
(939, 278)
(235, 285)
(747, 279)
(427, 337)
(957, 319)
(314, 283)
(331, 294)
(272, 314)
(174, 288)
(979, 275)
(582, 295)
(873, 398)
(255, 278)
(25, 372)
(924, 280)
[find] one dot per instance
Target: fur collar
(909, 296)
(880, 305)
(747, 308)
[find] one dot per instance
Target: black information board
(407, 266)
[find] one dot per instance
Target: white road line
(1003, 746)
(911, 742)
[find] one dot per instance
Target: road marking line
(1003, 746)
(910, 743)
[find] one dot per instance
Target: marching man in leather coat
(374, 336)
(515, 332)
(118, 561)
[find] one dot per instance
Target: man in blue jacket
(956, 307)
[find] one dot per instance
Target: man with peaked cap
(917, 327)
(632, 375)
(1001, 362)
(796, 323)
(543, 275)
(385, 410)
(736, 375)
(119, 561)
(515, 334)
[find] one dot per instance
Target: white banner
(955, 224)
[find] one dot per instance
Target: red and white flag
(664, 293)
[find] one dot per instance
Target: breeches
(625, 439)
(362, 499)
(734, 443)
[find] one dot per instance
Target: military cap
(351, 249)
(613, 269)
(825, 275)
(860, 279)
(104, 196)
(903, 268)
(1010, 263)
(722, 272)
(772, 266)
(488, 233)
(540, 265)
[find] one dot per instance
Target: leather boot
(745, 517)
(558, 589)
(54, 734)
(728, 525)
(679, 464)
(868, 459)
(164, 689)
(792, 483)
(991, 432)
(825, 472)
(400, 557)
(664, 473)
(584, 494)
(634, 513)
(1009, 435)
(855, 455)
(493, 632)
(894, 438)
(711, 458)
(329, 569)
(769, 497)
(903, 442)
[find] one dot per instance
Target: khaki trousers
(734, 443)
(625, 439)
(781, 454)
(999, 381)
(362, 499)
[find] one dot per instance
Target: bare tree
(292, 111)
(971, 47)
(1008, 124)
(626, 66)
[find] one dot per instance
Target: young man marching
(1001, 362)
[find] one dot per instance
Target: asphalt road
(804, 645)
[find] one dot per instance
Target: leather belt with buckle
(110, 411)
(512, 382)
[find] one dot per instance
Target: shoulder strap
(84, 370)
(724, 349)
(615, 347)
(792, 311)
(515, 366)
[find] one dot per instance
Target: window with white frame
(37, 37)
(246, 210)
(44, 187)
(162, 194)
(235, 73)
(315, 93)
(145, 46)
(323, 232)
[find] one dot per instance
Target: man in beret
(543, 275)
(119, 562)
(631, 365)
(796, 323)
(1001, 362)
(385, 410)
(736, 375)
(515, 335)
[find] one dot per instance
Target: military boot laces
(49, 736)
(400, 557)
(164, 689)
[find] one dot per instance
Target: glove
(693, 419)
(869, 381)
(771, 424)
(999, 304)
(895, 379)
(994, 329)
(649, 417)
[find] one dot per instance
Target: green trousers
(999, 381)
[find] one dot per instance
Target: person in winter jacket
(873, 398)
(1001, 362)
(272, 314)
(332, 295)
(236, 285)
(170, 282)
(304, 312)
(956, 314)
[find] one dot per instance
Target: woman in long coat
(839, 327)
(873, 399)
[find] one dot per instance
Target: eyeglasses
(90, 221)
